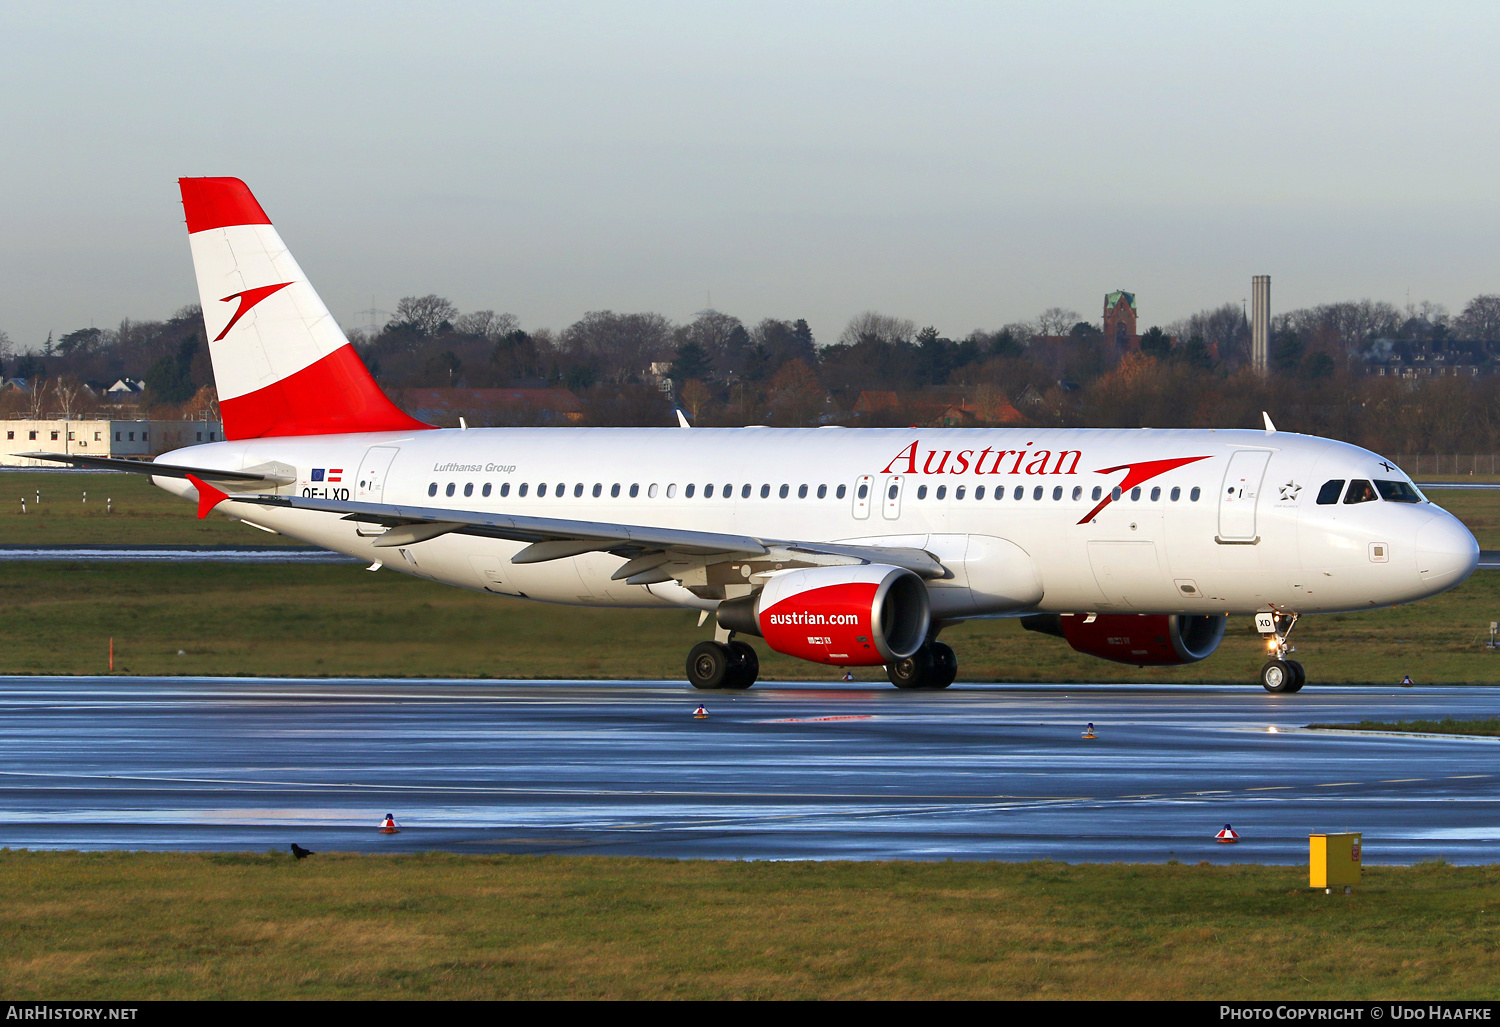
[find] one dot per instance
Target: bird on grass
(300, 852)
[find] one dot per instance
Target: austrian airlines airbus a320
(838, 546)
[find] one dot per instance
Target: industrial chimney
(1260, 322)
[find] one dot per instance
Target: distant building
(1119, 321)
(99, 437)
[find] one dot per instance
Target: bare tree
(1480, 321)
(1056, 321)
(36, 400)
(695, 396)
(870, 325)
(427, 314)
(65, 390)
(487, 323)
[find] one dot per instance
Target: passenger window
(1057, 493)
(864, 491)
(840, 493)
(1135, 494)
(958, 493)
(504, 489)
(614, 491)
(1036, 493)
(942, 491)
(651, 491)
(708, 492)
(635, 490)
(521, 492)
(1020, 492)
(1360, 491)
(687, 491)
(598, 489)
(449, 490)
(1155, 494)
(1193, 495)
(672, 490)
(468, 489)
(1115, 493)
(822, 491)
(1098, 493)
(979, 492)
(578, 490)
(921, 491)
(1398, 492)
(541, 490)
(1176, 493)
(765, 492)
(784, 490)
(801, 491)
(1077, 493)
(432, 489)
(485, 492)
(999, 491)
(891, 494)
(744, 491)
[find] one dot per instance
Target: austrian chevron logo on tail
(248, 299)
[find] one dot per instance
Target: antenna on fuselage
(682, 421)
(1270, 428)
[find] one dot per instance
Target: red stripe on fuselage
(332, 396)
(219, 203)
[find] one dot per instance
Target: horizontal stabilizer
(254, 477)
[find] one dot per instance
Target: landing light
(1272, 730)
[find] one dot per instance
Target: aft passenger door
(369, 484)
(1238, 495)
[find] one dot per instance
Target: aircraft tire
(944, 666)
(914, 672)
(1299, 675)
(709, 665)
(746, 666)
(1278, 678)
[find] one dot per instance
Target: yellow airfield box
(1333, 860)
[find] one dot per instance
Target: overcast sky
(963, 165)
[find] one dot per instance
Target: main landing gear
(931, 667)
(715, 665)
(1280, 675)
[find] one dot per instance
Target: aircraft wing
(652, 554)
(258, 477)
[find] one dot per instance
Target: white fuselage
(1225, 533)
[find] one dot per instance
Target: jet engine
(1141, 639)
(852, 616)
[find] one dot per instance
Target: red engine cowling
(851, 616)
(1142, 640)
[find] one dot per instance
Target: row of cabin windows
(1057, 493)
(727, 492)
(1363, 491)
(99, 436)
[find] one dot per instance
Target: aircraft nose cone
(1446, 552)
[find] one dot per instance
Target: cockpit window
(1398, 492)
(1360, 491)
(1329, 494)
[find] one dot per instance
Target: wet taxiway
(782, 771)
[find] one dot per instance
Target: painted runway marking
(817, 720)
(1268, 788)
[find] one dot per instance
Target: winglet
(208, 496)
(682, 421)
(1270, 428)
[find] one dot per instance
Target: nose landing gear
(1280, 675)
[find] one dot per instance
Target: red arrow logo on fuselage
(248, 299)
(1143, 471)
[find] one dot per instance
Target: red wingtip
(208, 496)
(219, 203)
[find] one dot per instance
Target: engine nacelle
(851, 616)
(1142, 640)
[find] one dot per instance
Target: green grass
(1489, 726)
(142, 514)
(339, 620)
(193, 925)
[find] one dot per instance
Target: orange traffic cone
(1226, 836)
(700, 713)
(1088, 732)
(389, 827)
